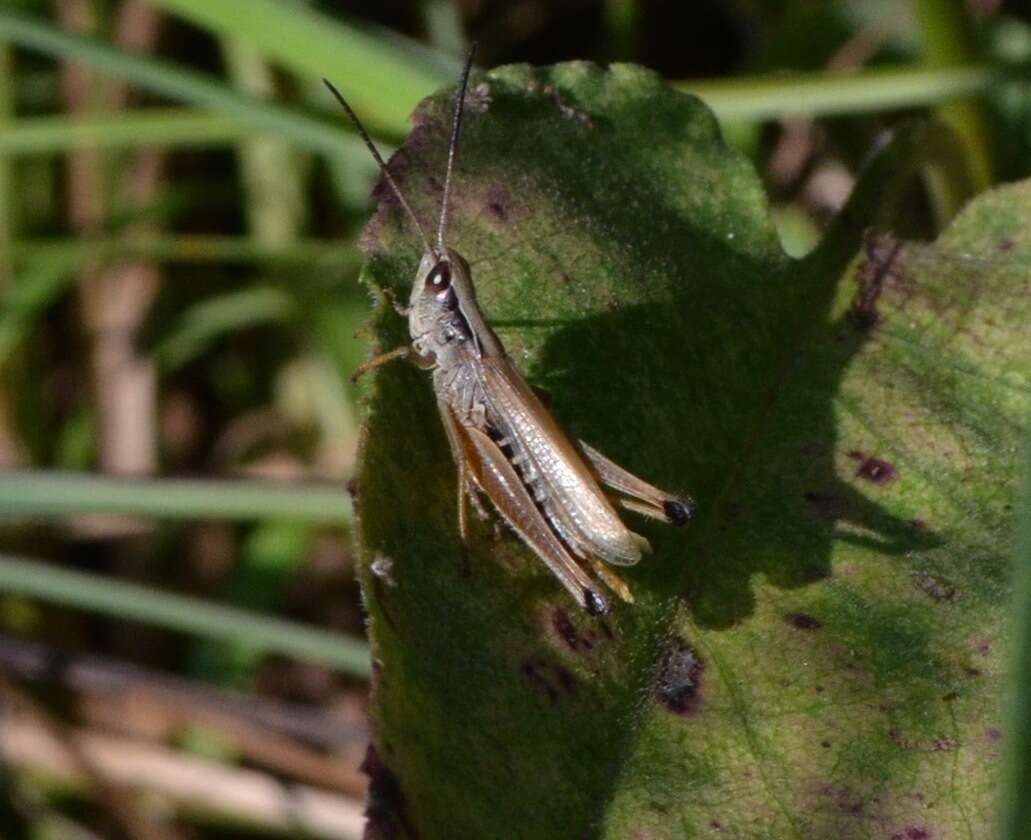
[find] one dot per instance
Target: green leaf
(818, 654)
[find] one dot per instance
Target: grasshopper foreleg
(406, 352)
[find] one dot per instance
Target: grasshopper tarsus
(678, 511)
(594, 603)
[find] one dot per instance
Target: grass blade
(947, 40)
(821, 94)
(42, 493)
(383, 81)
(1016, 780)
(177, 83)
(154, 126)
(38, 286)
(756, 98)
(189, 249)
(213, 317)
(178, 612)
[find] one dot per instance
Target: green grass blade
(8, 206)
(383, 80)
(213, 317)
(189, 249)
(822, 94)
(36, 288)
(816, 94)
(175, 82)
(1016, 781)
(41, 493)
(271, 172)
(154, 126)
(178, 612)
(444, 26)
(385, 83)
(947, 40)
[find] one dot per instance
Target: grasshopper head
(442, 300)
(443, 318)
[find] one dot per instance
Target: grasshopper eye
(439, 279)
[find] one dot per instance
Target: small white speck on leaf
(383, 567)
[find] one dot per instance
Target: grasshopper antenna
(382, 165)
(456, 126)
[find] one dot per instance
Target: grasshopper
(504, 441)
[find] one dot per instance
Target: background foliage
(180, 206)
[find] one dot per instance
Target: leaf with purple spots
(819, 654)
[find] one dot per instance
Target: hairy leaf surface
(818, 654)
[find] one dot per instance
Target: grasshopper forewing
(505, 443)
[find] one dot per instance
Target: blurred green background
(181, 207)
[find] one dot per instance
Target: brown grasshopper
(504, 441)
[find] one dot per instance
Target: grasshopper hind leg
(638, 495)
(491, 472)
